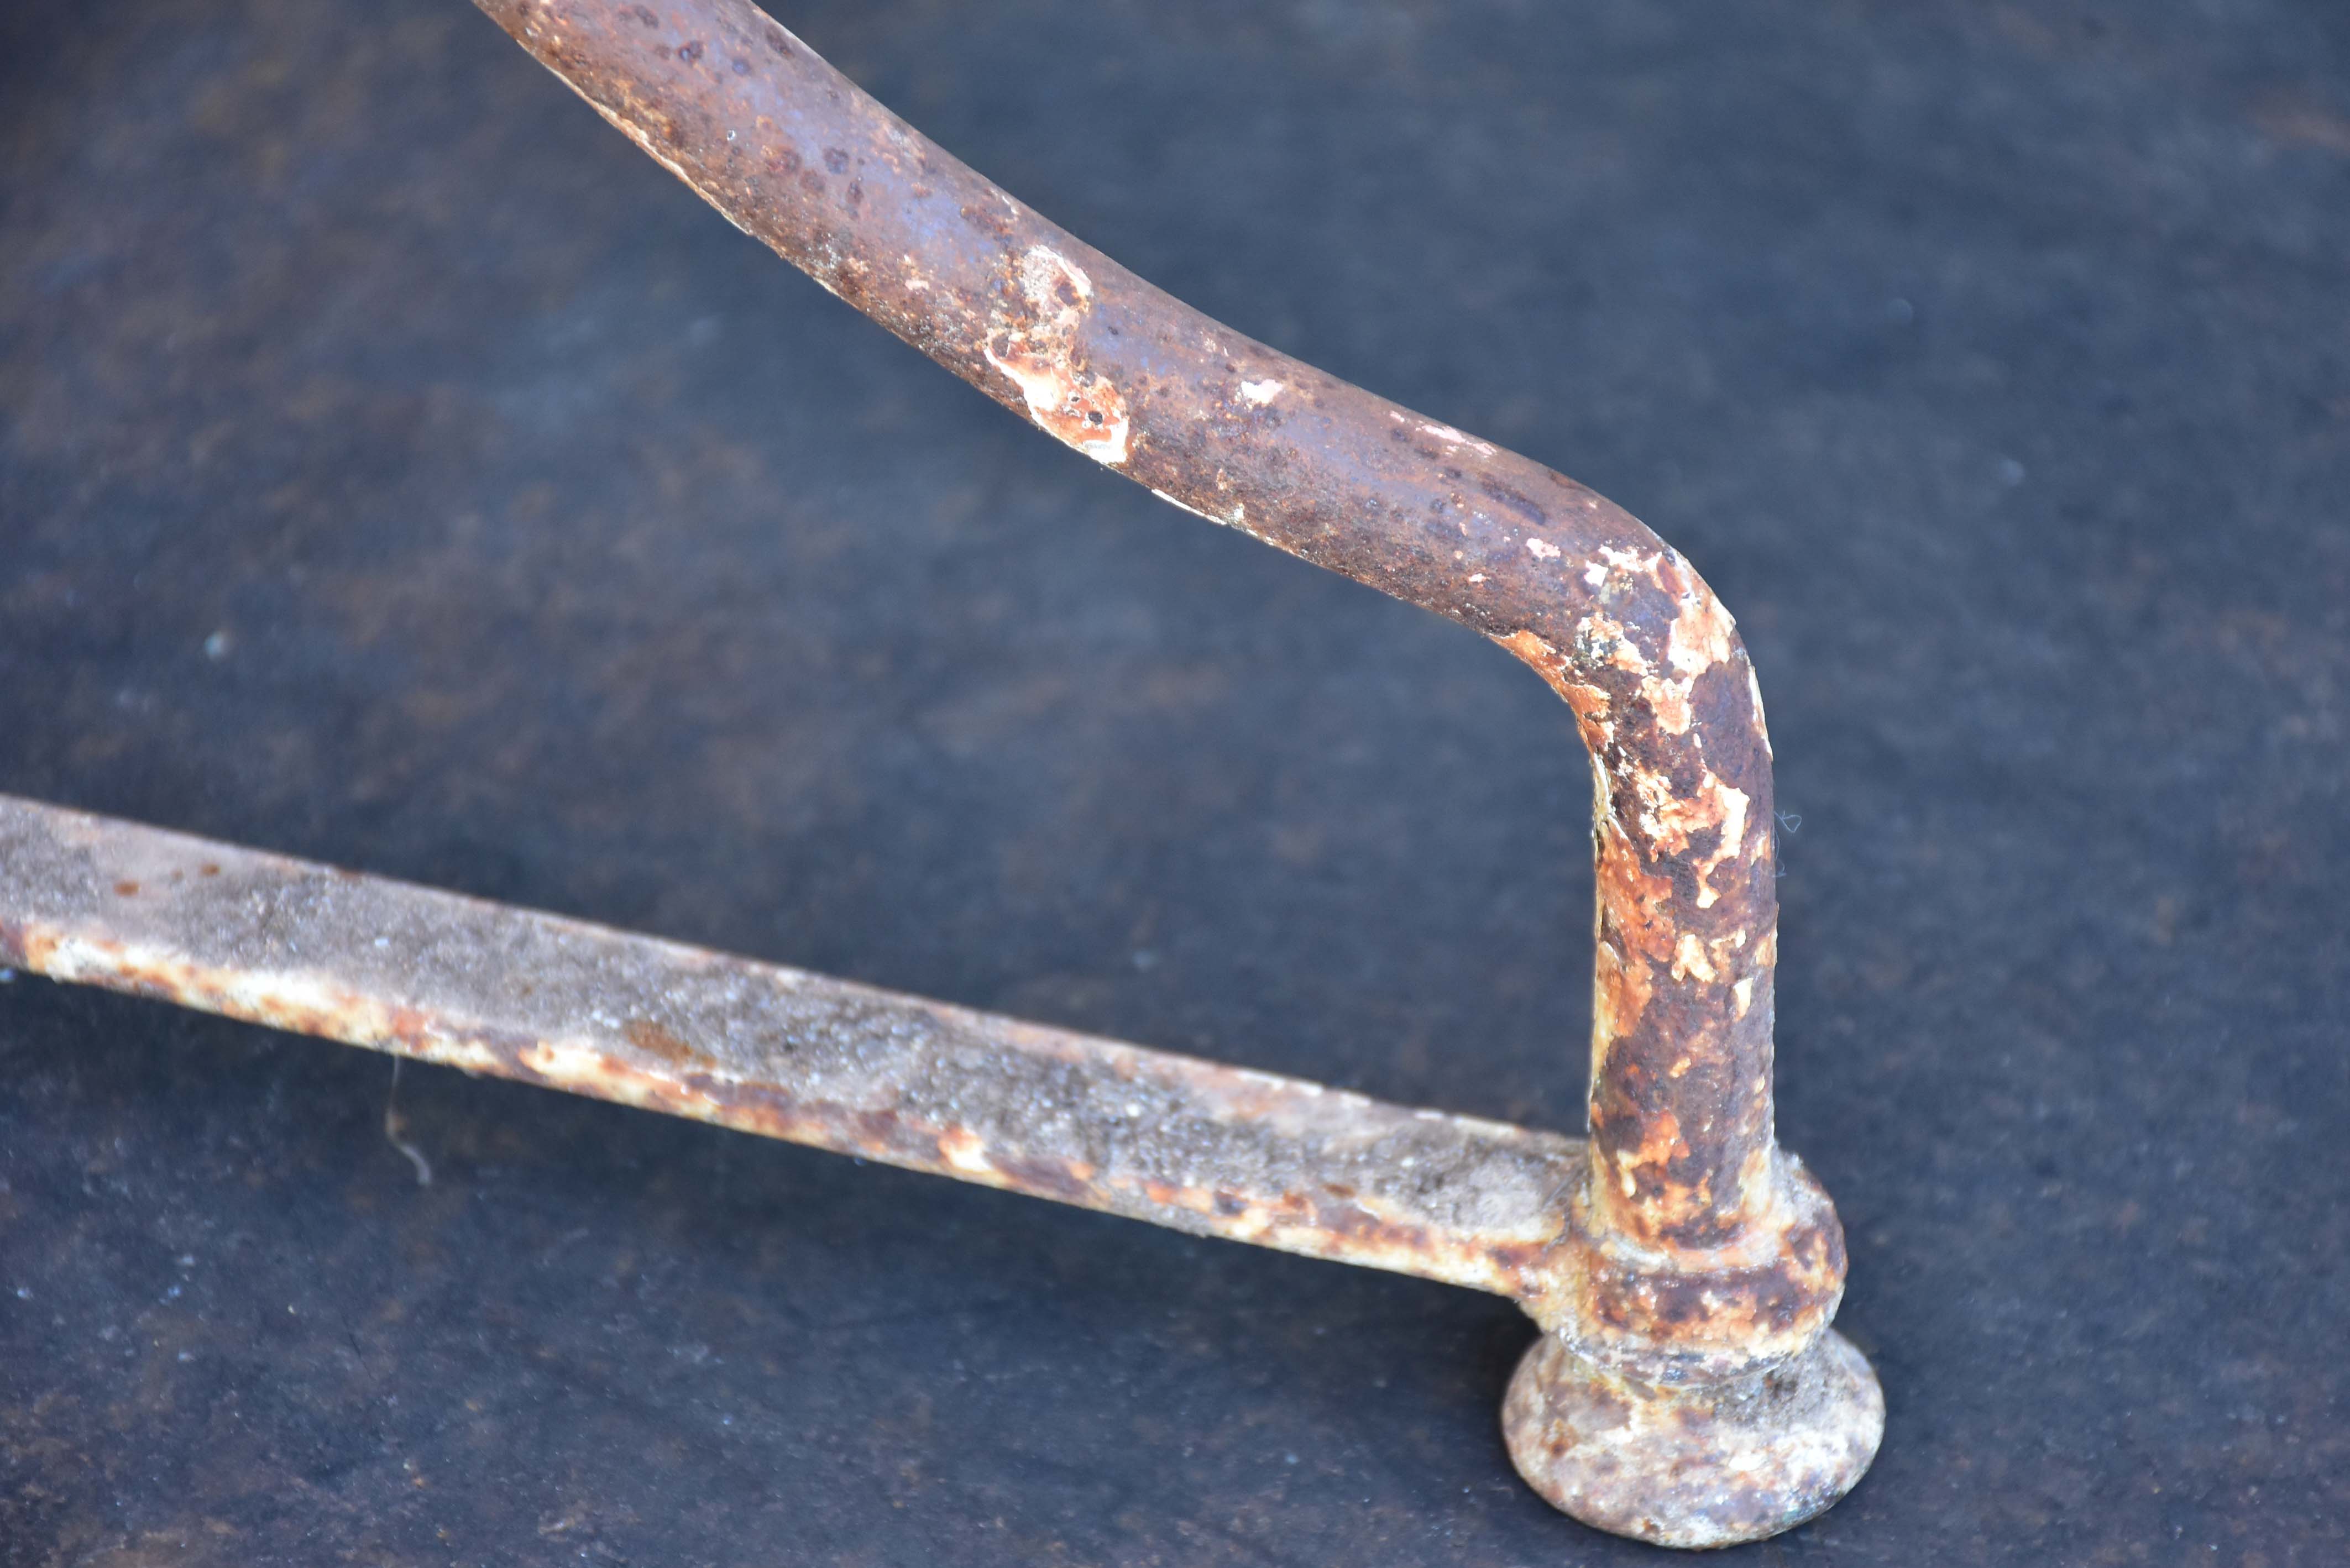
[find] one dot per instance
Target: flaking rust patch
(1036, 351)
(1602, 639)
(1593, 716)
(1636, 905)
(1621, 989)
(1670, 701)
(965, 1151)
(1701, 634)
(1668, 819)
(1690, 958)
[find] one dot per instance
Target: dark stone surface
(399, 469)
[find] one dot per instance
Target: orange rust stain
(1591, 705)
(655, 1041)
(127, 889)
(1638, 903)
(1670, 818)
(1593, 708)
(1755, 1175)
(1604, 638)
(609, 1079)
(1620, 995)
(1662, 1142)
(1043, 1176)
(964, 1150)
(1589, 702)
(1037, 351)
(1077, 408)
(1548, 661)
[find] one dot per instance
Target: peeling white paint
(1630, 562)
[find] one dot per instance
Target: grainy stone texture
(399, 470)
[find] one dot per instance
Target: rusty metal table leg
(1688, 1388)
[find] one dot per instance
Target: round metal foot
(1706, 1464)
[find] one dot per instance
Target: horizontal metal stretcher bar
(782, 1053)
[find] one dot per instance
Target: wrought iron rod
(514, 994)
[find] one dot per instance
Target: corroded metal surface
(1727, 1257)
(1685, 1269)
(571, 549)
(1737, 1461)
(1211, 1150)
